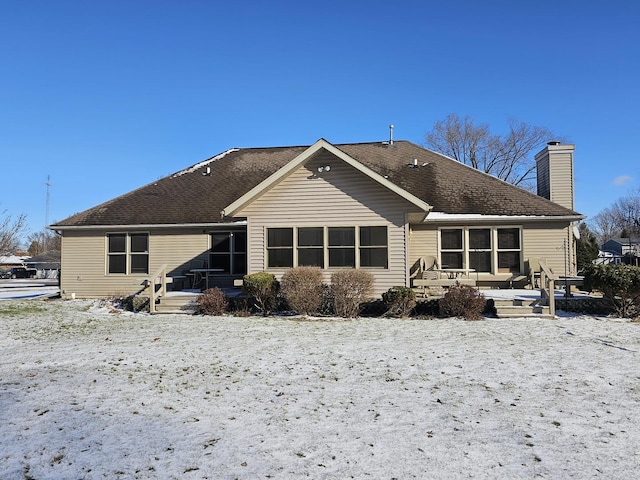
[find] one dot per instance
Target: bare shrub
(399, 301)
(240, 307)
(349, 289)
(302, 289)
(212, 302)
(463, 301)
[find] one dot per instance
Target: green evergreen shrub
(619, 285)
(263, 288)
(302, 289)
(399, 300)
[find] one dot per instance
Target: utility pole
(46, 215)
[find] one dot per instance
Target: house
(626, 250)
(376, 206)
(47, 264)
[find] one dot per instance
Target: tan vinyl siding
(546, 240)
(555, 174)
(341, 197)
(561, 174)
(83, 269)
(423, 242)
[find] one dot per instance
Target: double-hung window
(128, 253)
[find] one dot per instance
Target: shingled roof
(197, 195)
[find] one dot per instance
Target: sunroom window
(483, 250)
(451, 247)
(508, 250)
(480, 249)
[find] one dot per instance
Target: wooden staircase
(518, 307)
(176, 302)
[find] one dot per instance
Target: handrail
(162, 275)
(547, 287)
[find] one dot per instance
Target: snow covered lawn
(85, 393)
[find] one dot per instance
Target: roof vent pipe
(390, 134)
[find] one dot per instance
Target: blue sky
(106, 96)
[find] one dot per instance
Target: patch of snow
(204, 163)
(89, 392)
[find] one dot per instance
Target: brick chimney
(555, 173)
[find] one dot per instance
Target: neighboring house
(375, 206)
(623, 246)
(47, 264)
(10, 261)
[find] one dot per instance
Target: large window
(451, 248)
(332, 247)
(508, 249)
(342, 247)
(373, 247)
(280, 247)
(229, 252)
(480, 252)
(485, 250)
(128, 253)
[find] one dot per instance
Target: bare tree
(508, 157)
(11, 230)
(40, 242)
(622, 219)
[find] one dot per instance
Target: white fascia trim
(300, 159)
(148, 226)
(477, 217)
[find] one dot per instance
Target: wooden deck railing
(547, 287)
(159, 278)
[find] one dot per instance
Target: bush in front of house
(212, 302)
(349, 289)
(263, 288)
(399, 300)
(463, 301)
(619, 285)
(302, 289)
